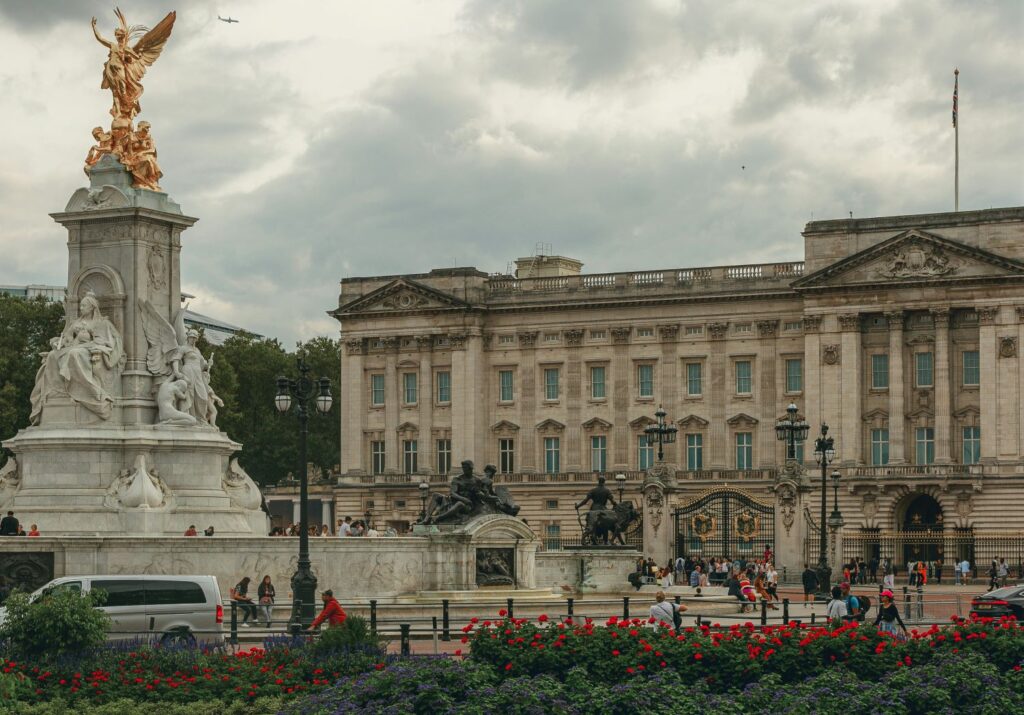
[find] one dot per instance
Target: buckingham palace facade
(902, 333)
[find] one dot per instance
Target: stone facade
(900, 333)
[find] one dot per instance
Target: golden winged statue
(122, 74)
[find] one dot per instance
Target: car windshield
(75, 586)
(1007, 592)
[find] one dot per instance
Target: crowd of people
(10, 526)
(344, 527)
(262, 608)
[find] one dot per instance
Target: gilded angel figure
(126, 64)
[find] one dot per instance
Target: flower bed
(620, 650)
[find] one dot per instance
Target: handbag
(266, 600)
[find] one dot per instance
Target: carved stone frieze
(940, 316)
(458, 341)
(354, 346)
(621, 334)
(1020, 313)
(812, 323)
(830, 354)
(718, 331)
(849, 322)
(10, 481)
(527, 339)
(669, 332)
(424, 342)
(987, 314)
(786, 495)
(390, 342)
(1007, 347)
(767, 328)
(895, 319)
(573, 337)
(654, 502)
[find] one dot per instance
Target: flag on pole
(956, 91)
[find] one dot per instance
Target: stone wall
(585, 571)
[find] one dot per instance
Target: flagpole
(956, 141)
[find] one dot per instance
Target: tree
(26, 327)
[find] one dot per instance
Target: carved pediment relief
(407, 427)
(741, 419)
(692, 422)
(876, 418)
(596, 424)
(641, 422)
(550, 426)
(913, 256)
(505, 426)
(402, 295)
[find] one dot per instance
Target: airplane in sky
(228, 19)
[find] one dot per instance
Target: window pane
(551, 455)
(743, 381)
(972, 371)
(377, 456)
(645, 380)
(377, 389)
(597, 383)
(880, 371)
(598, 452)
(645, 452)
(444, 387)
(694, 451)
(924, 369)
(409, 385)
(505, 381)
(409, 449)
(972, 445)
(121, 593)
(693, 379)
(551, 384)
(794, 375)
(879, 447)
(169, 593)
(744, 450)
(925, 445)
(506, 456)
(444, 456)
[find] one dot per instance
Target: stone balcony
(715, 279)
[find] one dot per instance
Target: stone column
(718, 370)
(352, 400)
(767, 443)
(622, 376)
(296, 516)
(1008, 391)
(897, 414)
(393, 457)
(574, 448)
(942, 386)
(427, 390)
(812, 383)
(988, 398)
(657, 522)
(526, 397)
(468, 412)
(850, 395)
(668, 386)
(789, 528)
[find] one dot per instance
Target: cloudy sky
(318, 140)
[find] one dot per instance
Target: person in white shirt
(836, 610)
(965, 571)
(345, 527)
(665, 611)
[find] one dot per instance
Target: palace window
(694, 451)
(923, 365)
(925, 443)
(377, 390)
(794, 375)
(409, 456)
(645, 380)
(972, 445)
(444, 456)
(377, 457)
(506, 339)
(598, 334)
(551, 504)
(645, 332)
(644, 452)
(694, 379)
(597, 391)
(744, 450)
(551, 383)
(972, 368)
(551, 337)
(506, 455)
(744, 377)
(444, 387)
(880, 372)
(505, 383)
(553, 540)
(552, 455)
(598, 453)
(693, 330)
(879, 447)
(409, 388)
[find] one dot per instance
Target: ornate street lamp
(302, 391)
(665, 433)
(835, 519)
(824, 453)
(424, 491)
(791, 428)
(620, 479)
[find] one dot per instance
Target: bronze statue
(122, 75)
(604, 525)
(468, 496)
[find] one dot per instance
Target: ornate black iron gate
(724, 522)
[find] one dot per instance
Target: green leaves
(54, 625)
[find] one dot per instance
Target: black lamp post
(424, 492)
(824, 453)
(791, 428)
(302, 391)
(620, 479)
(665, 433)
(835, 519)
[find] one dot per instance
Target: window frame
(879, 447)
(511, 386)
(799, 361)
(445, 454)
(599, 453)
(375, 454)
(699, 365)
(875, 374)
(931, 369)
(603, 383)
(374, 378)
(552, 454)
(548, 384)
(927, 442)
(746, 462)
(976, 368)
(410, 384)
(974, 440)
(694, 451)
(447, 378)
(749, 377)
(410, 457)
(506, 455)
(644, 452)
(640, 369)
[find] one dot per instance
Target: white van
(170, 608)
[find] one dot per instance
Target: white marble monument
(123, 437)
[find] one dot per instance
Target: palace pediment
(913, 256)
(401, 296)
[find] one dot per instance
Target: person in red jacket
(332, 612)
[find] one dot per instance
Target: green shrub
(54, 625)
(126, 706)
(352, 636)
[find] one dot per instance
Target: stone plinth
(586, 570)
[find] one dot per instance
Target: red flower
(508, 666)
(542, 618)
(616, 653)
(697, 656)
(503, 613)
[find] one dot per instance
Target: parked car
(170, 608)
(1008, 601)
